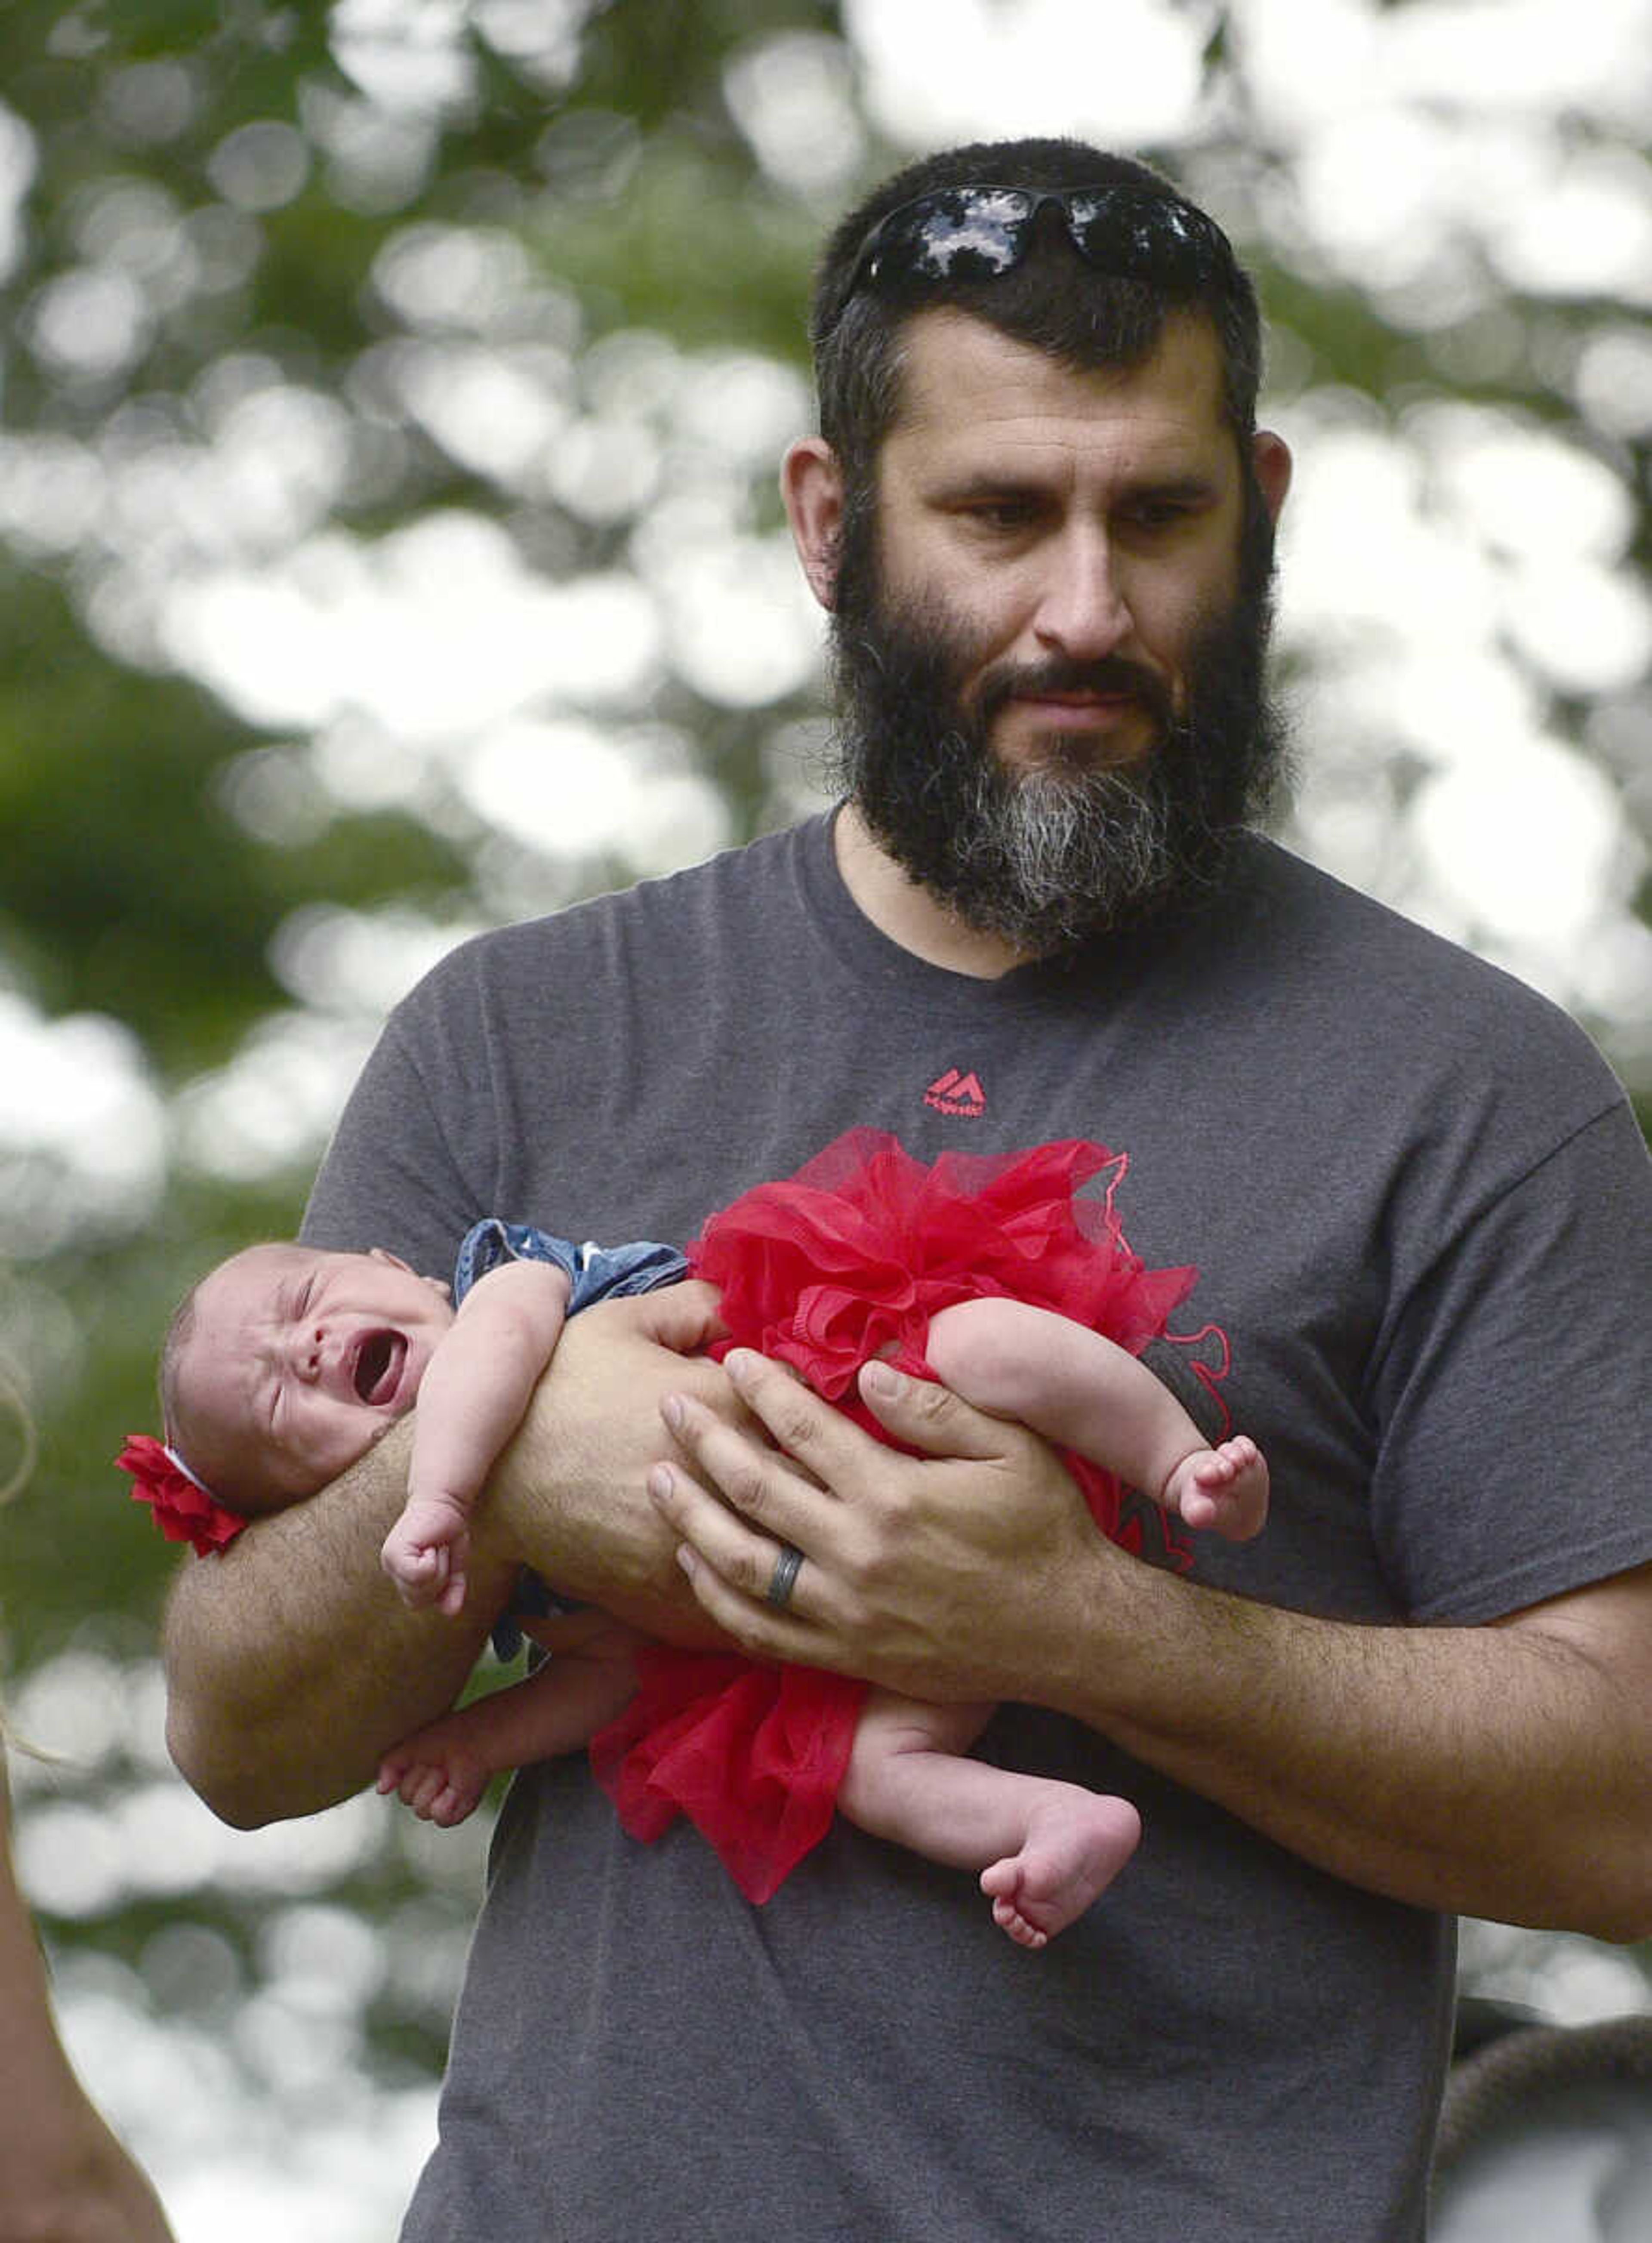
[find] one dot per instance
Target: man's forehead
(959, 373)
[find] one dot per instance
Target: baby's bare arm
(441, 1771)
(481, 1379)
(292, 1665)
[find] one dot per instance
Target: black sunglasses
(971, 234)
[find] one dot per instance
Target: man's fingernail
(741, 1364)
(672, 1411)
(660, 1483)
(878, 1379)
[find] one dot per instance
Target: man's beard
(1049, 856)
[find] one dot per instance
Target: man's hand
(1501, 1771)
(940, 1575)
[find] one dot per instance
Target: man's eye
(1170, 512)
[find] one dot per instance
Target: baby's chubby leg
(1084, 1392)
(1045, 1849)
(442, 1770)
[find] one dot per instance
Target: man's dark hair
(1054, 299)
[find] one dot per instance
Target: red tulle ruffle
(847, 1260)
(753, 1755)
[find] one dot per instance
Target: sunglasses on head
(971, 233)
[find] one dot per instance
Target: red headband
(182, 1509)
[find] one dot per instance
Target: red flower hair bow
(182, 1507)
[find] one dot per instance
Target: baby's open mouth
(377, 1366)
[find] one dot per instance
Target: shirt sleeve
(393, 1176)
(1515, 1391)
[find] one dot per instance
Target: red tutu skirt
(848, 1260)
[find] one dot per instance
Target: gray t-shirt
(1418, 1203)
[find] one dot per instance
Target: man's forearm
(1502, 1771)
(1496, 1771)
(290, 1662)
(569, 1494)
(293, 1666)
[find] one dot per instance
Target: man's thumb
(684, 1317)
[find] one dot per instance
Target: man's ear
(1271, 457)
(812, 487)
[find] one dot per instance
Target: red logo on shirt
(953, 1093)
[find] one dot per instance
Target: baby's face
(298, 1361)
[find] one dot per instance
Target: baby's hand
(431, 1773)
(426, 1551)
(1222, 1489)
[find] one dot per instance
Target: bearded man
(1040, 512)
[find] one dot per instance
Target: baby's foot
(1223, 1489)
(435, 1775)
(1074, 1849)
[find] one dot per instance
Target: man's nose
(1085, 613)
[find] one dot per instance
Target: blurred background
(392, 397)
